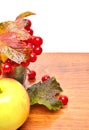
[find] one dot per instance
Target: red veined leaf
(12, 37)
(18, 29)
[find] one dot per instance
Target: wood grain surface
(72, 72)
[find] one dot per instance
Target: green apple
(14, 104)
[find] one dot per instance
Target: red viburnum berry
(31, 74)
(45, 77)
(63, 99)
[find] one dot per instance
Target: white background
(63, 24)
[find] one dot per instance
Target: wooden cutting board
(72, 72)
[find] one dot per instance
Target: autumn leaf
(12, 36)
(13, 54)
(17, 49)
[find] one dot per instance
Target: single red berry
(7, 68)
(37, 41)
(30, 31)
(27, 24)
(64, 99)
(33, 57)
(31, 74)
(25, 63)
(37, 50)
(45, 77)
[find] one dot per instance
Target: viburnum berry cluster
(32, 46)
(35, 44)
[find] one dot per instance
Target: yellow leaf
(25, 14)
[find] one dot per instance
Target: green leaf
(19, 73)
(45, 94)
